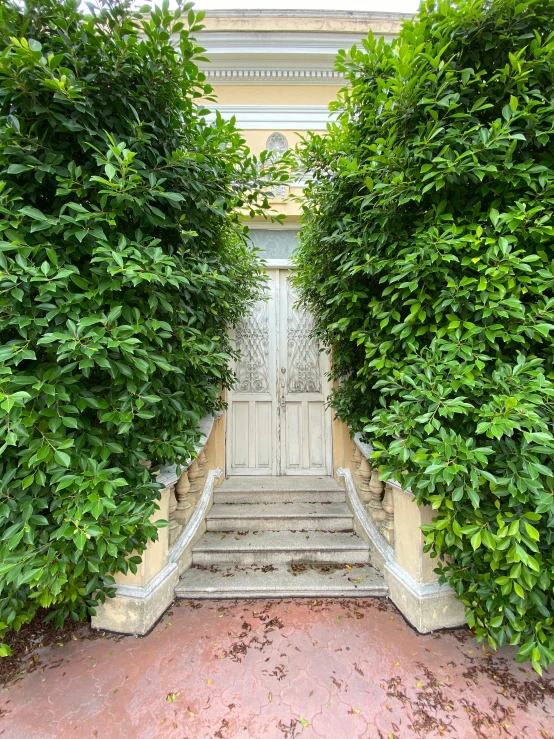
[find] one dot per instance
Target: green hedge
(122, 263)
(427, 260)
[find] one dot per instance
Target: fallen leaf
(208, 681)
(172, 696)
(356, 710)
(348, 567)
(304, 722)
(270, 697)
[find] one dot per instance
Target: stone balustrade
(389, 519)
(185, 496)
(377, 496)
(185, 492)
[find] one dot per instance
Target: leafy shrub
(122, 263)
(427, 259)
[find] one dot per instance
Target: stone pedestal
(142, 597)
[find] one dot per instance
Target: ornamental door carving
(277, 420)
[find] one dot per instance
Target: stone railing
(377, 496)
(184, 490)
(185, 498)
(389, 519)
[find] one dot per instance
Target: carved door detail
(252, 340)
(277, 420)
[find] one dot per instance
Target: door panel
(251, 448)
(306, 432)
(277, 420)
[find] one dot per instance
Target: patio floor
(277, 669)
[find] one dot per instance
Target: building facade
(274, 72)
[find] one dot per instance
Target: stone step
(279, 517)
(280, 496)
(228, 580)
(286, 489)
(279, 547)
(260, 483)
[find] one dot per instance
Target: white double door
(277, 422)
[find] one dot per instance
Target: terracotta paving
(278, 669)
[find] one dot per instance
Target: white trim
(282, 43)
(266, 226)
(277, 263)
(144, 591)
(420, 590)
(276, 117)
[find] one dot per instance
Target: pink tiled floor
(278, 669)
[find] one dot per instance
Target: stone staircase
(280, 537)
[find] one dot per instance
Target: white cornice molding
(276, 117)
(284, 43)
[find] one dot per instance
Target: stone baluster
(174, 528)
(388, 509)
(365, 476)
(357, 476)
(194, 472)
(375, 505)
(202, 464)
(184, 502)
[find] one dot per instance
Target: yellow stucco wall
(290, 94)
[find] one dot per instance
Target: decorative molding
(272, 117)
(283, 43)
(419, 590)
(277, 143)
(285, 47)
(274, 76)
(145, 591)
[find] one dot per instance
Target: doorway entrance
(277, 422)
